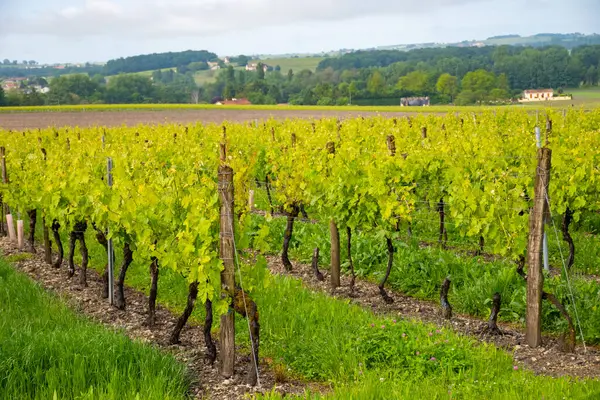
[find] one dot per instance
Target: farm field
(34, 120)
(417, 201)
(16, 118)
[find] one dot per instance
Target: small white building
(541, 95)
(538, 94)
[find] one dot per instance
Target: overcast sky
(98, 30)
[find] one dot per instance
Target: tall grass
(46, 352)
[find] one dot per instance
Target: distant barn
(414, 101)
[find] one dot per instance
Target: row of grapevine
(370, 175)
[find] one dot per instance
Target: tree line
(447, 75)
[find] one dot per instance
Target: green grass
(345, 347)
(592, 93)
(46, 352)
(204, 77)
(419, 272)
(368, 357)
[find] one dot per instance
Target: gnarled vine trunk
(268, 186)
(446, 307)
(391, 250)
(127, 260)
(101, 238)
(32, 222)
(287, 236)
(567, 219)
(492, 325)
(315, 265)
(211, 349)
(47, 243)
(78, 235)
(59, 246)
(151, 320)
(350, 262)
(189, 307)
(443, 236)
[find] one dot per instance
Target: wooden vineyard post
(535, 278)
(109, 243)
(227, 254)
(46, 231)
(20, 234)
(335, 240)
(251, 200)
(3, 207)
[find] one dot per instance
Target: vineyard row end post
(111, 251)
(538, 138)
(535, 277)
(227, 254)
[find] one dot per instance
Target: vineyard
(434, 208)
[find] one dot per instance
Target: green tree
(376, 83)
(2, 97)
(242, 60)
(230, 77)
(480, 80)
(465, 97)
(416, 82)
(447, 85)
(124, 89)
(260, 71)
(591, 76)
(72, 89)
(290, 75)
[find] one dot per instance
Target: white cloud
(143, 18)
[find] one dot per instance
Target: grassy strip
(368, 357)
(419, 272)
(46, 351)
(161, 107)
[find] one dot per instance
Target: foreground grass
(46, 352)
(368, 357)
(312, 336)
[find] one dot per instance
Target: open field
(133, 114)
(130, 118)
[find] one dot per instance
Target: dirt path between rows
(88, 301)
(42, 120)
(545, 360)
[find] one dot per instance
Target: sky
(51, 31)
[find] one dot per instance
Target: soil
(42, 120)
(547, 359)
(207, 384)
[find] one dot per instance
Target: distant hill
(568, 40)
(149, 62)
